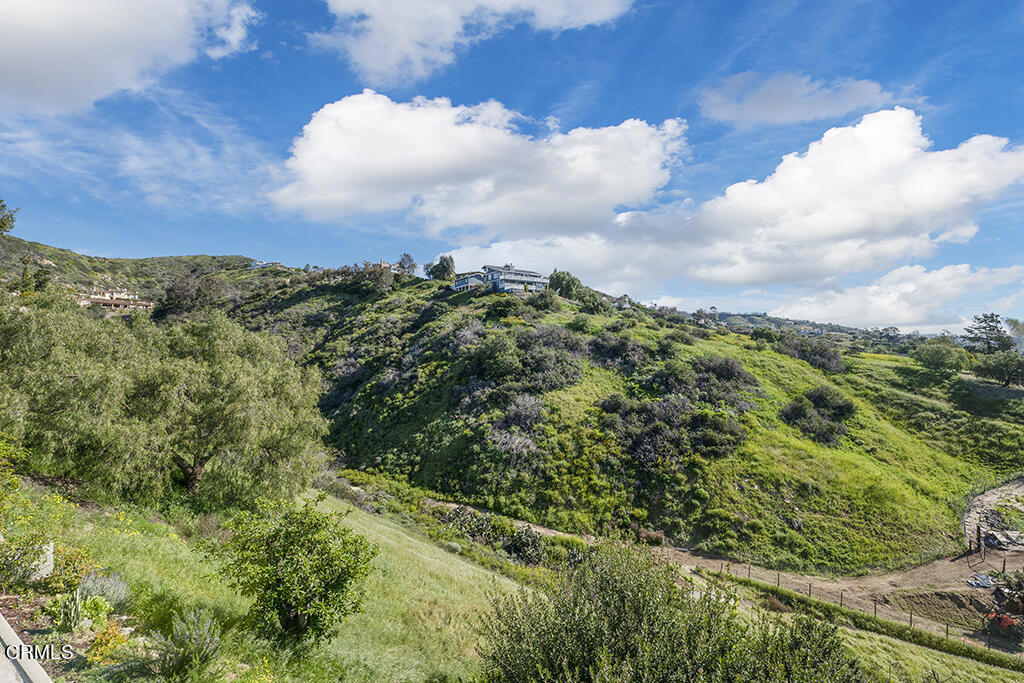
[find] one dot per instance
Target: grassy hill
(420, 616)
(418, 622)
(603, 421)
(148, 276)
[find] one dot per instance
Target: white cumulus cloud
(457, 166)
(910, 297)
(860, 197)
(749, 98)
(388, 41)
(61, 55)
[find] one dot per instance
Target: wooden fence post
(778, 579)
(876, 605)
(748, 571)
(911, 618)
(1004, 565)
(947, 631)
(808, 589)
(840, 598)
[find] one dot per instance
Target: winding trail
(870, 593)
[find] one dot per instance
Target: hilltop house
(466, 281)
(508, 278)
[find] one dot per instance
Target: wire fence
(877, 606)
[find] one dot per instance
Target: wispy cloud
(749, 98)
(393, 41)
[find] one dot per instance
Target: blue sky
(859, 162)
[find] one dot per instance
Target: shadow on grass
(986, 399)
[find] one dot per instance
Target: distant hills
(148, 276)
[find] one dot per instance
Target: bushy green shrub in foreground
(619, 615)
(302, 568)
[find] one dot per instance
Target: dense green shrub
(303, 569)
(941, 355)
(818, 352)
(765, 334)
(619, 615)
(544, 301)
(506, 306)
(819, 413)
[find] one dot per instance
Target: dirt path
(975, 514)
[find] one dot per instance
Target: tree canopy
(6, 218)
(987, 334)
(942, 355)
(143, 411)
(444, 269)
(1006, 367)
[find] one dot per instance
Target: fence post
(911, 618)
(721, 567)
(808, 589)
(1004, 565)
(778, 579)
(840, 598)
(748, 571)
(875, 600)
(947, 631)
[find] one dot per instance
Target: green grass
(889, 659)
(419, 618)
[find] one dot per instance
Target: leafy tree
(1003, 366)
(225, 394)
(941, 355)
(6, 218)
(566, 284)
(444, 269)
(406, 265)
(374, 278)
(303, 569)
(593, 303)
(133, 409)
(987, 334)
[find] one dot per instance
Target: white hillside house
(505, 278)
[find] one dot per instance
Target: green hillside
(618, 419)
(148, 276)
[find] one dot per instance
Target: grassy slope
(889, 495)
(420, 609)
(419, 616)
(148, 276)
